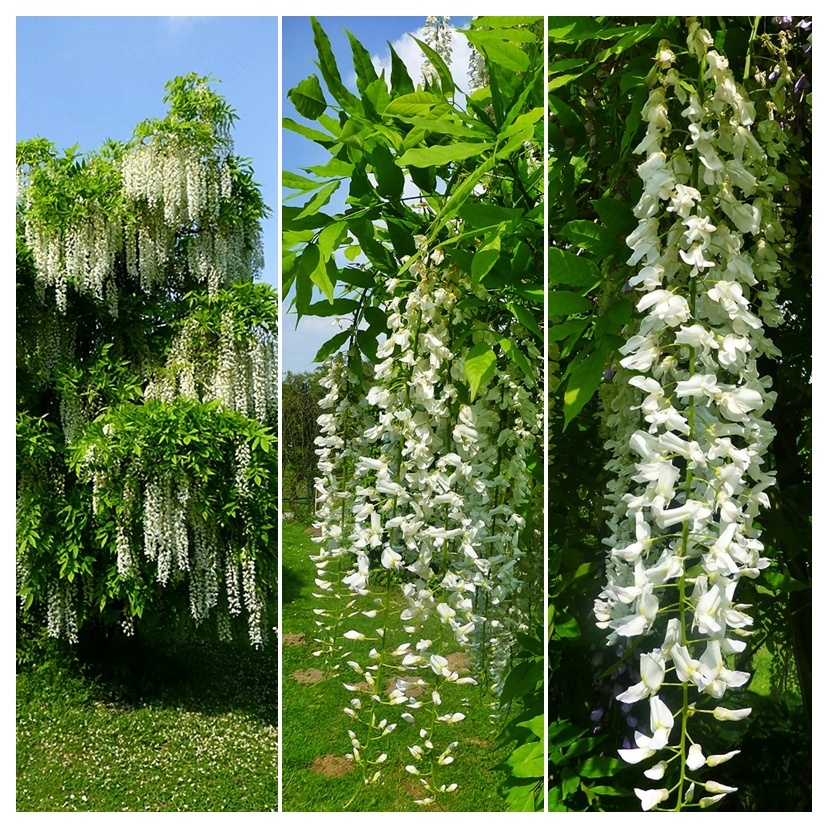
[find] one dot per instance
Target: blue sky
(82, 80)
(300, 345)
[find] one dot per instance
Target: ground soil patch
(311, 676)
(293, 639)
(331, 765)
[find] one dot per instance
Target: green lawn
(315, 739)
(195, 731)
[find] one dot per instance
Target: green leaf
(335, 168)
(498, 50)
(615, 215)
(442, 154)
(525, 317)
(401, 83)
(478, 215)
(324, 277)
(583, 381)
(567, 627)
(521, 131)
(537, 725)
(521, 798)
(353, 133)
(485, 259)
(562, 80)
(416, 103)
(331, 346)
(633, 122)
(567, 117)
(338, 307)
(566, 268)
(330, 71)
(364, 66)
(526, 761)
(569, 782)
(557, 333)
(459, 196)
(390, 178)
(331, 237)
(315, 204)
(378, 97)
(367, 342)
(480, 365)
(591, 237)
(782, 582)
(572, 29)
(308, 98)
(636, 35)
(598, 766)
(293, 181)
(517, 356)
(448, 126)
(323, 138)
(566, 303)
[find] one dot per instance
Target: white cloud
(412, 56)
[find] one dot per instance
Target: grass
(184, 727)
(315, 738)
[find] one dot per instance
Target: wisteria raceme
(688, 416)
(438, 34)
(430, 509)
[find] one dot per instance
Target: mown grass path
(315, 738)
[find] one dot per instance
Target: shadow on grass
(293, 584)
(150, 670)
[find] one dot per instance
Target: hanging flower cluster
(438, 34)
(229, 360)
(689, 455)
(145, 206)
(422, 492)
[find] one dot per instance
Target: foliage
(435, 264)
(599, 75)
(300, 409)
(522, 692)
(146, 370)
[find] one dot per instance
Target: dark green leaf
(566, 303)
(401, 83)
(615, 215)
(566, 268)
(339, 307)
(598, 766)
(390, 178)
(591, 237)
